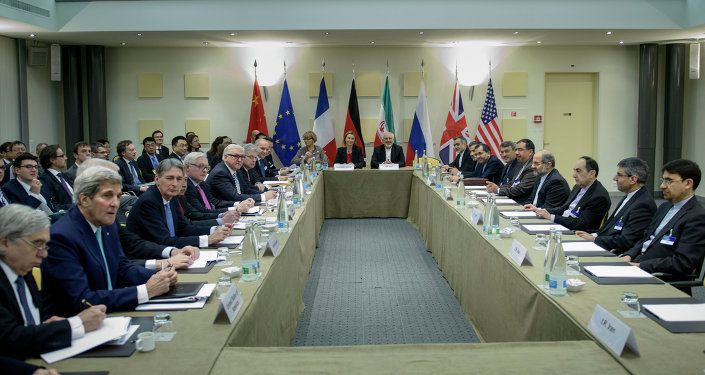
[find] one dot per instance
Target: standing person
(350, 153)
(387, 152)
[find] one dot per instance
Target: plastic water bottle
(546, 263)
(556, 284)
(486, 214)
(493, 222)
(282, 215)
(416, 160)
(307, 176)
(295, 194)
(249, 255)
(460, 198)
(302, 190)
(424, 165)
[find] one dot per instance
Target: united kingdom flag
(455, 126)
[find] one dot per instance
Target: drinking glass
(224, 257)
(630, 300)
(163, 327)
(223, 286)
(573, 263)
(541, 242)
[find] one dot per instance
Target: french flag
(322, 125)
(420, 136)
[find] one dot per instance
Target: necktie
(155, 162)
(135, 178)
(63, 183)
(237, 183)
(169, 220)
(23, 301)
(99, 237)
(203, 196)
(261, 166)
(460, 160)
(3, 201)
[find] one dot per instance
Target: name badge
(519, 255)
(668, 240)
(611, 331)
(343, 167)
(618, 225)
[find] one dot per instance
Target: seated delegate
(350, 153)
(310, 151)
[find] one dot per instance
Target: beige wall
(9, 100)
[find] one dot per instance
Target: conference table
(522, 328)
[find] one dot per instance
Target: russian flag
(420, 136)
(322, 125)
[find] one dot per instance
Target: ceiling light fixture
(609, 33)
(139, 34)
(32, 35)
(538, 42)
(123, 43)
(232, 34)
(205, 44)
(621, 42)
(327, 33)
(516, 33)
(420, 32)
(372, 42)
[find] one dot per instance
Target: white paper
(343, 167)
(482, 193)
(255, 210)
(204, 257)
(231, 241)
(518, 214)
(203, 295)
(389, 167)
(475, 187)
(504, 201)
(266, 183)
(611, 331)
(618, 271)
(581, 246)
(519, 254)
(678, 312)
(239, 225)
(544, 227)
(123, 339)
(111, 329)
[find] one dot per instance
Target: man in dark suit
(98, 151)
(198, 196)
(179, 147)
(87, 263)
(507, 152)
(4, 201)
(26, 329)
(550, 188)
(148, 161)
(522, 181)
(15, 149)
(488, 166)
(26, 188)
(134, 247)
(57, 191)
(227, 181)
(632, 216)
(387, 152)
(588, 202)
(6, 157)
(128, 169)
(81, 153)
(265, 162)
(161, 150)
(156, 219)
(464, 162)
(250, 168)
(674, 242)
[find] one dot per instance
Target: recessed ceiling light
(327, 33)
(621, 42)
(32, 35)
(232, 34)
(516, 33)
(139, 34)
(205, 43)
(372, 42)
(420, 32)
(609, 33)
(538, 42)
(123, 43)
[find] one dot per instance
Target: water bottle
(493, 222)
(302, 190)
(416, 160)
(546, 263)
(314, 171)
(307, 176)
(282, 215)
(556, 283)
(249, 254)
(486, 214)
(424, 165)
(460, 198)
(295, 192)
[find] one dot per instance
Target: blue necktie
(23, 301)
(3, 201)
(133, 170)
(155, 163)
(169, 220)
(63, 183)
(261, 166)
(99, 237)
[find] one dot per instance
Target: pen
(86, 303)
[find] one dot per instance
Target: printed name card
(447, 195)
(476, 216)
(389, 167)
(272, 246)
(519, 255)
(291, 211)
(231, 303)
(611, 331)
(343, 167)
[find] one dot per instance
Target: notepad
(202, 297)
(230, 241)
(577, 247)
(474, 187)
(679, 312)
(111, 329)
(503, 201)
(205, 257)
(533, 228)
(618, 271)
(524, 214)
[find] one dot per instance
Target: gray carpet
(372, 282)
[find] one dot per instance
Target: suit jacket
(686, 254)
(252, 177)
(15, 193)
(341, 157)
(137, 249)
(592, 208)
(213, 159)
(635, 217)
(468, 165)
(222, 185)
(18, 341)
(70, 174)
(193, 215)
(56, 196)
(162, 153)
(128, 182)
(492, 172)
(145, 167)
(509, 171)
(522, 189)
(195, 200)
(379, 156)
(177, 157)
(17, 367)
(267, 168)
(6, 176)
(75, 269)
(553, 192)
(148, 220)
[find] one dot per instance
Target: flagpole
(422, 71)
(387, 67)
(255, 69)
(353, 66)
(285, 70)
(456, 70)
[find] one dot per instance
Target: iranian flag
(386, 116)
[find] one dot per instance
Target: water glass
(223, 286)
(514, 222)
(541, 242)
(163, 327)
(573, 263)
(630, 300)
(224, 257)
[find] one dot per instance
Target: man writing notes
(627, 223)
(26, 330)
(588, 201)
(86, 264)
(387, 153)
(522, 181)
(464, 162)
(550, 188)
(674, 242)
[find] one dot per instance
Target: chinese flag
(257, 119)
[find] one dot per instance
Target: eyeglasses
(251, 156)
(668, 181)
(623, 175)
(30, 166)
(38, 248)
(60, 156)
(202, 167)
(236, 157)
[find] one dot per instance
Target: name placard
(389, 167)
(476, 216)
(343, 167)
(447, 194)
(272, 246)
(291, 211)
(231, 303)
(611, 331)
(519, 254)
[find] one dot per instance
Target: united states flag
(488, 130)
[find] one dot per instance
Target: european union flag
(286, 134)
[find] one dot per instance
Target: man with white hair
(228, 183)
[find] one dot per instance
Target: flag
(386, 117)
(455, 126)
(286, 134)
(488, 131)
(420, 136)
(322, 125)
(257, 119)
(352, 121)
